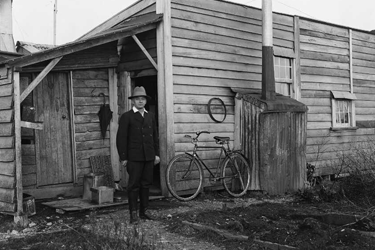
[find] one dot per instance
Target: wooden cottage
(184, 52)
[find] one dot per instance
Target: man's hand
(123, 163)
(157, 160)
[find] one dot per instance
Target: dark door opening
(150, 84)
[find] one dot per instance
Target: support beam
(72, 127)
(32, 125)
(351, 60)
(19, 218)
(165, 88)
(297, 60)
(39, 78)
(145, 52)
(113, 126)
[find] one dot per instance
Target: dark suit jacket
(137, 138)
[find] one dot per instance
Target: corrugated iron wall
(275, 144)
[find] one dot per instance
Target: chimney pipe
(6, 28)
(268, 75)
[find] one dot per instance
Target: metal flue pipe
(268, 75)
(6, 27)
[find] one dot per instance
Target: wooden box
(102, 194)
(89, 181)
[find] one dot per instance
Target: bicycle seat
(223, 139)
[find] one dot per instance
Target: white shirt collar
(135, 110)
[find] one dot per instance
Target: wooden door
(53, 143)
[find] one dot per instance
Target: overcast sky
(33, 19)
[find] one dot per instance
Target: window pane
(343, 112)
(283, 68)
(282, 73)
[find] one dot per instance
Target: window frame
(290, 81)
(291, 56)
(338, 96)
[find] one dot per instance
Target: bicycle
(184, 173)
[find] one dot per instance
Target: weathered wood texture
(326, 65)
(216, 45)
(87, 85)
(7, 146)
(325, 60)
(53, 143)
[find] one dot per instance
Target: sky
(33, 19)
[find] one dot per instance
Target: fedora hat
(139, 91)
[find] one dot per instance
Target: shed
(184, 52)
(273, 138)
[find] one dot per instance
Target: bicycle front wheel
(236, 175)
(184, 177)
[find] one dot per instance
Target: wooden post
(19, 218)
(237, 144)
(297, 64)
(124, 104)
(113, 126)
(165, 88)
(268, 75)
(72, 125)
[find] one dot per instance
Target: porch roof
(130, 27)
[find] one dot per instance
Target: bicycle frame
(221, 159)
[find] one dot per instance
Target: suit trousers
(140, 175)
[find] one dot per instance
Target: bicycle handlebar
(202, 132)
(198, 133)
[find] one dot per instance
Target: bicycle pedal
(213, 179)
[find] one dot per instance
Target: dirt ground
(212, 221)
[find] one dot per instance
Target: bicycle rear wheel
(184, 177)
(236, 175)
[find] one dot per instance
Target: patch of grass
(358, 167)
(96, 235)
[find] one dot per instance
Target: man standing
(137, 145)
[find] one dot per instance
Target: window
(343, 110)
(283, 75)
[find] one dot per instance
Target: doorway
(150, 83)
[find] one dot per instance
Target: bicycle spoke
(184, 177)
(238, 172)
(236, 175)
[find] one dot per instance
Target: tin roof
(130, 27)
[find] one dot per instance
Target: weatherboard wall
(216, 46)
(7, 151)
(87, 85)
(330, 57)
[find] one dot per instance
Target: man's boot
(143, 198)
(133, 207)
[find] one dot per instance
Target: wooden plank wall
(29, 167)
(7, 152)
(325, 67)
(216, 45)
(364, 75)
(87, 85)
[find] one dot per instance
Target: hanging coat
(105, 117)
